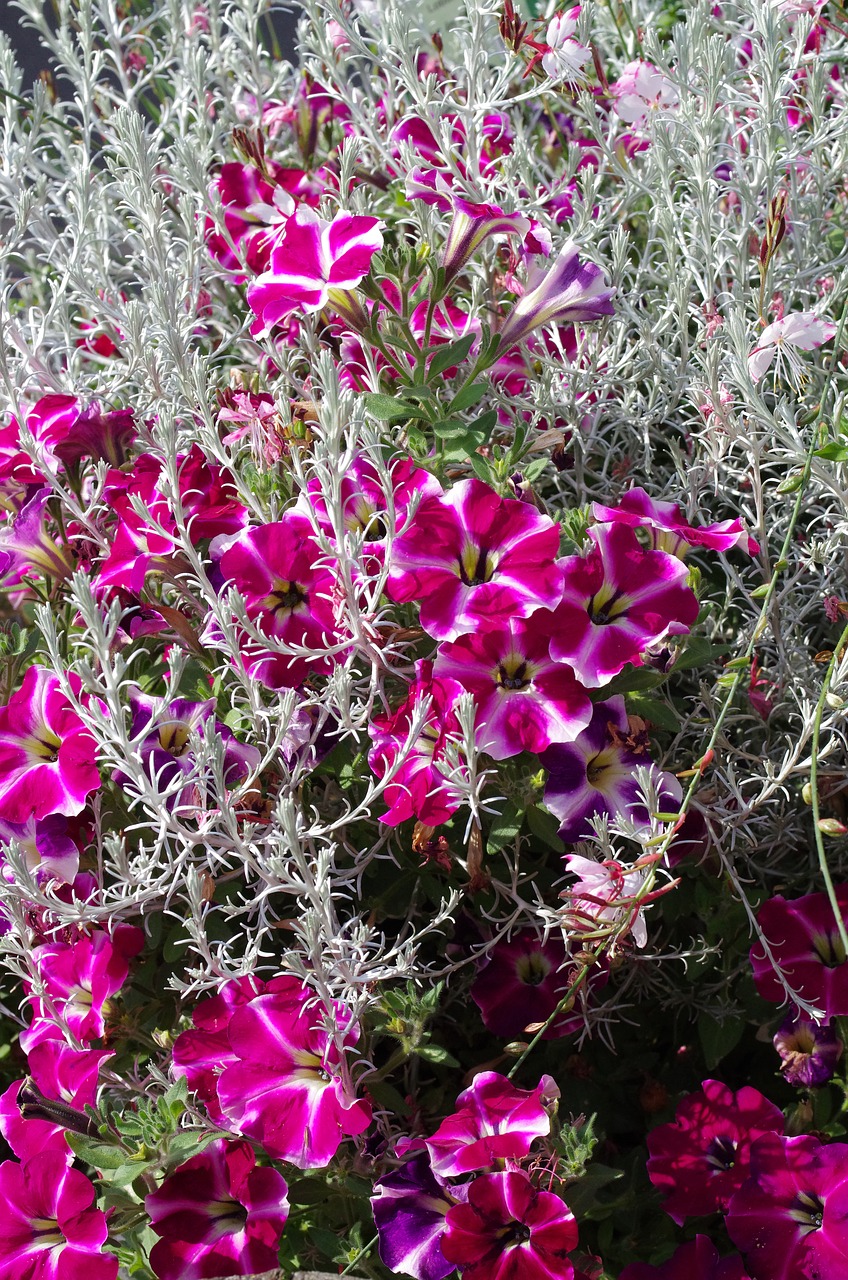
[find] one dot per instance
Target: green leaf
(387, 407)
(485, 423)
(436, 1053)
(453, 353)
(698, 653)
(450, 428)
(328, 1243)
(583, 1193)
(833, 452)
(481, 468)
(308, 1191)
(100, 1155)
(544, 826)
(653, 710)
(468, 396)
(534, 469)
(632, 680)
(718, 1039)
(504, 829)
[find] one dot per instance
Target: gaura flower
(217, 1215)
(698, 1259)
(564, 58)
(257, 206)
(290, 1089)
(703, 1157)
(783, 339)
(668, 528)
(640, 90)
(314, 263)
(409, 1208)
(524, 700)
(475, 560)
(596, 774)
(494, 1121)
(805, 942)
(47, 756)
(568, 292)
(49, 1228)
(616, 601)
(809, 1051)
(420, 786)
(508, 1230)
(605, 895)
(521, 983)
(790, 1217)
(80, 977)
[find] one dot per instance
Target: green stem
(363, 1252)
(814, 773)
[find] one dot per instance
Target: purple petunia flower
(409, 1207)
(805, 942)
(809, 1051)
(508, 1230)
(568, 292)
(702, 1158)
(790, 1217)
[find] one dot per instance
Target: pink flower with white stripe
(63, 1076)
(290, 1089)
(47, 756)
(49, 1227)
(668, 528)
(494, 1121)
(525, 700)
(315, 263)
(475, 560)
(80, 977)
(616, 601)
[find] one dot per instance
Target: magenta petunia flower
(62, 1075)
(494, 1121)
(521, 983)
(47, 847)
(568, 292)
(79, 977)
(475, 560)
(470, 226)
(596, 774)
(419, 788)
(140, 544)
(288, 595)
(49, 1228)
(218, 1215)
(698, 1259)
(616, 601)
(409, 1207)
(790, 1217)
(809, 1051)
(805, 942)
(210, 499)
(701, 1158)
(508, 1230)
(669, 529)
(257, 206)
(290, 1089)
(47, 756)
(314, 263)
(525, 700)
(202, 1053)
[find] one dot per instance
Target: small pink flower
(494, 1121)
(313, 263)
(669, 529)
(641, 89)
(47, 756)
(49, 1228)
(289, 1088)
(508, 1230)
(783, 339)
(217, 1215)
(475, 560)
(605, 892)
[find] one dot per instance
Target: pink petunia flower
(521, 983)
(508, 1230)
(257, 206)
(494, 1121)
(202, 1053)
(62, 1075)
(80, 977)
(141, 543)
(49, 1228)
(218, 1215)
(616, 601)
(790, 1218)
(805, 942)
(702, 1158)
(640, 90)
(525, 700)
(420, 787)
(314, 263)
(475, 560)
(47, 756)
(289, 1089)
(669, 529)
(698, 1259)
(211, 504)
(783, 339)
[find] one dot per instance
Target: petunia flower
(494, 1121)
(475, 560)
(47, 756)
(508, 1230)
(522, 981)
(616, 601)
(790, 1217)
(80, 977)
(697, 1259)
(63, 1075)
(569, 291)
(809, 1051)
(805, 942)
(27, 544)
(201, 1053)
(46, 845)
(289, 1089)
(217, 1214)
(783, 339)
(701, 1159)
(409, 1207)
(49, 1228)
(668, 528)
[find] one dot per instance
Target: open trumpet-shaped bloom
(804, 939)
(290, 1089)
(47, 756)
(669, 529)
(79, 977)
(62, 1075)
(494, 1121)
(616, 601)
(218, 1215)
(568, 292)
(475, 560)
(201, 1053)
(49, 1228)
(409, 1207)
(525, 700)
(521, 983)
(509, 1230)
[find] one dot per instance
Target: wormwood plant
(424, 644)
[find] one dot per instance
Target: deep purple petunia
(569, 291)
(805, 942)
(701, 1158)
(508, 1230)
(809, 1050)
(698, 1259)
(790, 1217)
(409, 1208)
(521, 983)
